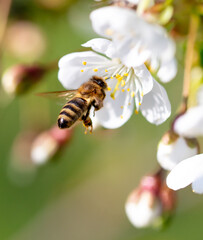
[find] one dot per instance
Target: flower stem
(193, 26)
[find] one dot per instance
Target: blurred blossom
(25, 40)
(20, 78)
(137, 40)
(129, 85)
(151, 203)
(189, 171)
(190, 124)
(47, 144)
(172, 149)
(21, 169)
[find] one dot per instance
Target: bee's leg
(87, 122)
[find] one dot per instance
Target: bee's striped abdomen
(71, 112)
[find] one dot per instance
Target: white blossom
(190, 124)
(169, 154)
(138, 41)
(189, 171)
(129, 85)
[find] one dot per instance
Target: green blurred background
(80, 194)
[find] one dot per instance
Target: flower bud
(19, 78)
(48, 143)
(173, 148)
(151, 203)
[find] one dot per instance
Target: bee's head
(99, 81)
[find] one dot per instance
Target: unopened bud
(19, 78)
(47, 144)
(173, 148)
(150, 203)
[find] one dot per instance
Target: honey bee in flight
(79, 102)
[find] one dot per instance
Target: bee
(80, 101)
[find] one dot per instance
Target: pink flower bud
(19, 78)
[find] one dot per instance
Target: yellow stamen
(128, 89)
(123, 90)
(84, 63)
(82, 70)
(121, 107)
(122, 83)
(132, 94)
(111, 77)
(139, 103)
(95, 69)
(117, 75)
(125, 74)
(121, 117)
(142, 94)
(108, 88)
(136, 112)
(106, 70)
(106, 78)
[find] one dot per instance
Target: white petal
(197, 185)
(186, 172)
(124, 25)
(145, 78)
(156, 107)
(70, 67)
(169, 155)
(141, 214)
(191, 123)
(101, 45)
(167, 71)
(115, 112)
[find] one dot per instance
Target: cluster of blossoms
(131, 44)
(132, 53)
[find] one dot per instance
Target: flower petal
(186, 172)
(123, 24)
(169, 155)
(190, 124)
(156, 107)
(197, 185)
(145, 78)
(101, 45)
(115, 111)
(72, 71)
(167, 71)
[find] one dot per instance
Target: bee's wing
(63, 95)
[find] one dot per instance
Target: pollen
(117, 75)
(125, 74)
(123, 90)
(106, 78)
(112, 96)
(128, 89)
(121, 107)
(95, 69)
(139, 103)
(122, 83)
(106, 70)
(111, 77)
(82, 70)
(121, 117)
(132, 94)
(142, 94)
(108, 88)
(84, 63)
(136, 112)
